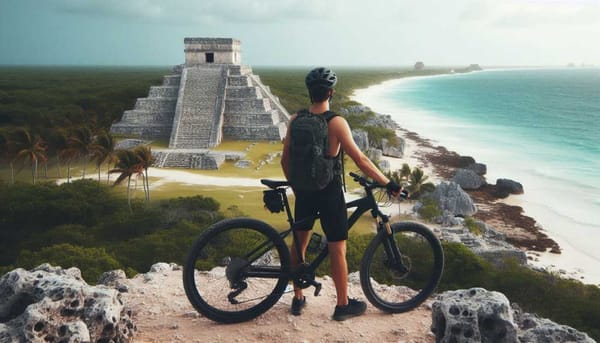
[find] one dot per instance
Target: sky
(303, 32)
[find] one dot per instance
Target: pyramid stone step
(252, 119)
(261, 133)
(238, 81)
(171, 80)
(144, 131)
(156, 104)
(242, 92)
(163, 92)
(139, 116)
(247, 105)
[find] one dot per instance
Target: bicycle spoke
(239, 271)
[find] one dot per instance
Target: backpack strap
(328, 116)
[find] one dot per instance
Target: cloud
(235, 11)
(525, 14)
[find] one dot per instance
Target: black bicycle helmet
(321, 77)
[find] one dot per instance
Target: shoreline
(506, 215)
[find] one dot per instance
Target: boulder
(468, 179)
(384, 165)
(375, 154)
(473, 315)
(464, 161)
(361, 138)
(393, 151)
(450, 197)
(51, 304)
(243, 164)
(478, 168)
(478, 315)
(535, 329)
(504, 187)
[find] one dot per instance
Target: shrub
(430, 210)
(91, 261)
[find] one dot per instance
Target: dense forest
(62, 116)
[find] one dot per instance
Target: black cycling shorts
(330, 205)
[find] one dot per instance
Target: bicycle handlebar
(363, 181)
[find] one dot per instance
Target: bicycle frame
(362, 205)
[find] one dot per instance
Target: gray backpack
(311, 169)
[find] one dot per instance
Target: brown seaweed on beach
(521, 230)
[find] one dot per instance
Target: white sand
(572, 262)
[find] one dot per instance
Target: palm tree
(405, 172)
(103, 150)
(81, 142)
(29, 149)
(417, 183)
(144, 154)
(127, 165)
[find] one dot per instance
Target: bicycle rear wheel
(236, 270)
(401, 283)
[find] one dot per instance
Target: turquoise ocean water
(540, 127)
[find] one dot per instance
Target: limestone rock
(450, 197)
(243, 164)
(392, 151)
(504, 187)
(473, 315)
(478, 168)
(49, 304)
(361, 138)
(468, 179)
(535, 329)
(491, 245)
(114, 278)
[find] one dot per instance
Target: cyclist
(329, 202)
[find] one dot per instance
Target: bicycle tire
(391, 289)
(219, 263)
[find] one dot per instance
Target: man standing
(329, 201)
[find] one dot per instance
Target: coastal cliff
(152, 307)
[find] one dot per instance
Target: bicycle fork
(393, 255)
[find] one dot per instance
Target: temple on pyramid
(209, 98)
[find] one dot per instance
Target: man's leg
(339, 270)
(303, 238)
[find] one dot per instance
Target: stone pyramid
(209, 98)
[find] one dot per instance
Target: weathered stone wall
(224, 50)
(152, 117)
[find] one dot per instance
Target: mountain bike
(239, 268)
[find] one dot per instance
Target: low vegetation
(89, 225)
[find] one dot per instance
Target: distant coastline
(503, 214)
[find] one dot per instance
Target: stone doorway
(210, 57)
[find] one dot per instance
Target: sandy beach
(571, 262)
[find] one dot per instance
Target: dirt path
(163, 314)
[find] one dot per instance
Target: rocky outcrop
(450, 197)
(504, 187)
(478, 315)
(490, 244)
(536, 329)
(468, 179)
(51, 304)
(473, 315)
(478, 168)
(361, 138)
(392, 150)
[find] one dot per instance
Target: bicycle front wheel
(400, 271)
(236, 270)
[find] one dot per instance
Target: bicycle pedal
(317, 288)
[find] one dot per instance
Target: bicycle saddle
(274, 183)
